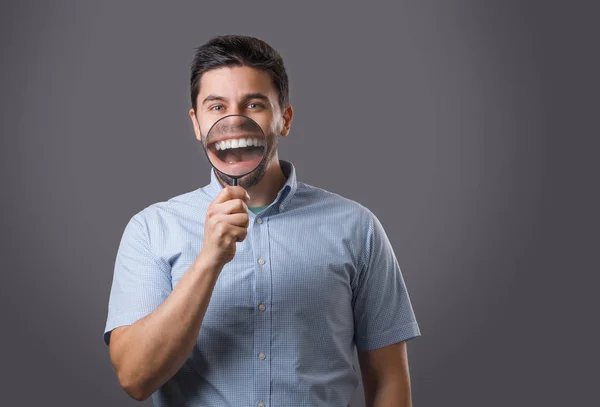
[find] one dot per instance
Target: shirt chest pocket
(235, 281)
(313, 281)
(181, 262)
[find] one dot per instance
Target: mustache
(243, 127)
(221, 131)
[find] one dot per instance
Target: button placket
(262, 319)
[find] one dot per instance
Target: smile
(237, 149)
(238, 143)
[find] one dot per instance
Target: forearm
(391, 393)
(153, 349)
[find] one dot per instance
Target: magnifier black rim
(264, 150)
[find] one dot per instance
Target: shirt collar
(283, 196)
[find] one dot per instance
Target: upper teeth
(241, 142)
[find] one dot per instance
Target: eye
(258, 105)
(214, 108)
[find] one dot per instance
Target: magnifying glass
(235, 146)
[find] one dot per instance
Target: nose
(235, 120)
(233, 124)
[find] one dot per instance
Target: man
(256, 295)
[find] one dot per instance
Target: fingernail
(248, 195)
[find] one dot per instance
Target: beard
(255, 176)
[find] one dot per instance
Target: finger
(222, 221)
(232, 206)
(239, 233)
(229, 192)
(237, 219)
(225, 232)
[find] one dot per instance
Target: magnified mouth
(237, 149)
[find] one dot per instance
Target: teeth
(237, 143)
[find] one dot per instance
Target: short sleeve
(383, 313)
(141, 282)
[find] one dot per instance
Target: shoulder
(161, 214)
(333, 204)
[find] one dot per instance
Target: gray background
(468, 127)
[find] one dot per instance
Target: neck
(268, 187)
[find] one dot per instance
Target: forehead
(235, 81)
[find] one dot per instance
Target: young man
(256, 295)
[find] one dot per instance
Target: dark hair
(239, 50)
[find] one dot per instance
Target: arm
(385, 375)
(156, 326)
(150, 351)
(384, 321)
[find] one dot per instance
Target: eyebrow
(247, 96)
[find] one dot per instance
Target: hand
(226, 223)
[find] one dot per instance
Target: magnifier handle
(234, 182)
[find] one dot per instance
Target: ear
(195, 124)
(288, 113)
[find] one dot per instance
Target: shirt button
(261, 356)
(259, 220)
(261, 260)
(281, 207)
(261, 404)
(262, 307)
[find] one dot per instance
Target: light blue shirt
(315, 277)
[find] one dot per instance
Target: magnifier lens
(235, 146)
